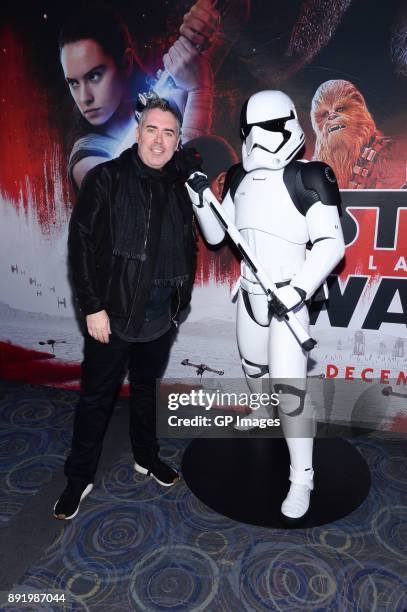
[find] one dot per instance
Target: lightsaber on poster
(163, 85)
(160, 87)
(251, 260)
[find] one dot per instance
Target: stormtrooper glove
(196, 185)
(287, 298)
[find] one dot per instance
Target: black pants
(102, 373)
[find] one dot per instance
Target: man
(132, 255)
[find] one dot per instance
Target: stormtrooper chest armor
(262, 203)
(273, 226)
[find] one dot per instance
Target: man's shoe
(67, 506)
(295, 506)
(160, 471)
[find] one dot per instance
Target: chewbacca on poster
(347, 139)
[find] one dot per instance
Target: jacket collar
(167, 173)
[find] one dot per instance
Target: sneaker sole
(142, 470)
(68, 518)
(293, 522)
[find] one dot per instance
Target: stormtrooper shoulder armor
(234, 177)
(311, 182)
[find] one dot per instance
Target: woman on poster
(103, 71)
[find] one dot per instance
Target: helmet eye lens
(273, 125)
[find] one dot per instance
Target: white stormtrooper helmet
(270, 131)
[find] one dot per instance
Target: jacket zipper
(173, 318)
(147, 223)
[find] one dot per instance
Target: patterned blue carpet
(137, 546)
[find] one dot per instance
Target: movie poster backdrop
(348, 81)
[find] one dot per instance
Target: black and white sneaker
(160, 471)
(67, 506)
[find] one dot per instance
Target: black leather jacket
(115, 283)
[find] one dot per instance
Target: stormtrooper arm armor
(211, 228)
(324, 228)
(327, 250)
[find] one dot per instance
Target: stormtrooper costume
(280, 206)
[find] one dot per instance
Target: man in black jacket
(132, 255)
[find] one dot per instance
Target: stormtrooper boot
(296, 504)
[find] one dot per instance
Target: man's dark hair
(163, 105)
(102, 24)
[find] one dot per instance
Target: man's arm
(82, 167)
(88, 226)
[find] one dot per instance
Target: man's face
(96, 83)
(157, 138)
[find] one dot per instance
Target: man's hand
(196, 185)
(99, 326)
(285, 299)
